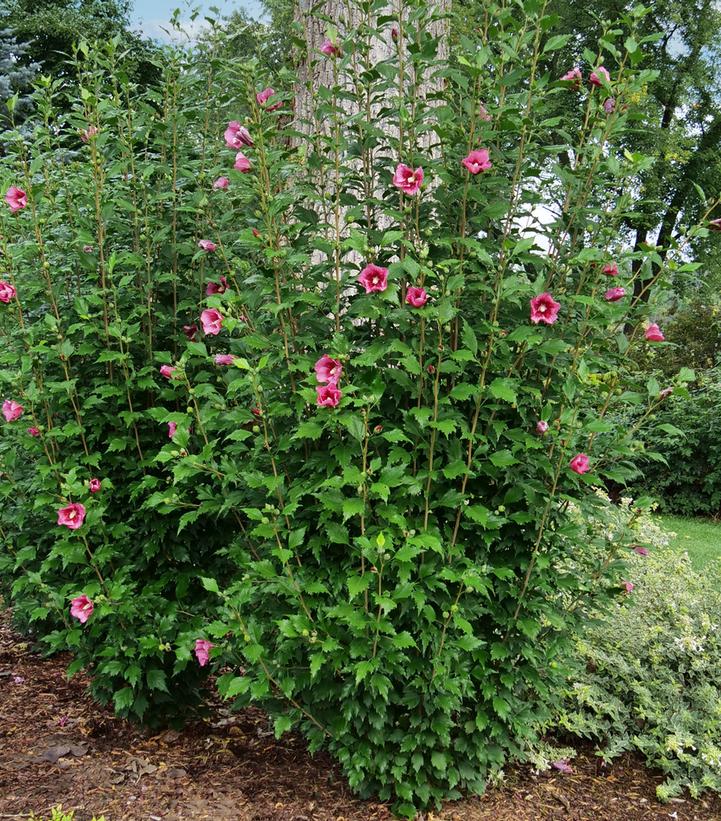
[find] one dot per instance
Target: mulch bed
(59, 748)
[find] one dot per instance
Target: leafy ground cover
(58, 747)
(700, 538)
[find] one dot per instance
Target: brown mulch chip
(59, 748)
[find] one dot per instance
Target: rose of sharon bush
(380, 559)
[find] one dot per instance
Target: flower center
(542, 309)
(71, 515)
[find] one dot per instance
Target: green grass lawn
(700, 538)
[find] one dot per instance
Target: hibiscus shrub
(339, 373)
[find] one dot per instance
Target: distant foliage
(684, 437)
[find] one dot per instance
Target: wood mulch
(59, 748)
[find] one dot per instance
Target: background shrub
(649, 673)
(683, 437)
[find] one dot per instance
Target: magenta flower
(328, 396)
(34, 431)
(7, 291)
(81, 608)
(88, 249)
(654, 333)
(541, 427)
(71, 516)
(629, 586)
(167, 371)
(544, 309)
(715, 225)
(212, 321)
(417, 297)
(610, 269)
(408, 180)
(329, 49)
(373, 278)
(642, 551)
(609, 105)
(202, 651)
(217, 287)
(88, 133)
(94, 485)
(614, 294)
(573, 76)
(190, 330)
(580, 463)
(477, 161)
(483, 113)
(599, 76)
(328, 370)
(262, 98)
(221, 182)
(16, 198)
(224, 359)
(207, 245)
(12, 410)
(395, 34)
(562, 766)
(237, 135)
(665, 392)
(242, 163)
(172, 428)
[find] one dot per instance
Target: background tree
(51, 28)
(16, 77)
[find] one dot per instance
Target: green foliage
(682, 446)
(650, 672)
(57, 814)
(397, 576)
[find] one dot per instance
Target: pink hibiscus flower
(580, 463)
(408, 180)
(34, 431)
(599, 76)
(614, 294)
(81, 608)
(7, 291)
(373, 278)
(262, 98)
(71, 516)
(190, 330)
(202, 651)
(477, 161)
(544, 309)
(16, 198)
(610, 269)
(207, 245)
(94, 485)
(329, 49)
(654, 333)
(242, 163)
(224, 359)
(417, 297)
(167, 371)
(237, 135)
(328, 369)
(212, 321)
(12, 410)
(172, 429)
(541, 427)
(328, 396)
(573, 76)
(88, 133)
(221, 183)
(217, 287)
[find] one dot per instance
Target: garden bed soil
(59, 748)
